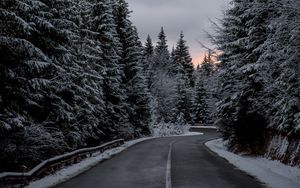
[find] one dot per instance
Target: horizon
(177, 16)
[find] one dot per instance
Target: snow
(76, 169)
(163, 129)
(190, 134)
(172, 129)
(204, 127)
(273, 173)
(280, 144)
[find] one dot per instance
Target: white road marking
(168, 171)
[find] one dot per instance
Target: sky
(190, 16)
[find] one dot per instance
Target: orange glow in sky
(197, 59)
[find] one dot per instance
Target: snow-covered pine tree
(182, 71)
(61, 78)
(161, 48)
(182, 113)
(280, 60)
(207, 66)
(27, 93)
(149, 48)
(259, 76)
(148, 61)
(205, 91)
(114, 93)
(133, 79)
(173, 53)
(63, 114)
(162, 59)
(183, 58)
(175, 68)
(200, 112)
(207, 72)
(240, 113)
(83, 67)
(163, 88)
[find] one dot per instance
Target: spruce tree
(149, 48)
(131, 60)
(201, 114)
(279, 57)
(207, 66)
(183, 58)
(114, 94)
(161, 48)
(148, 61)
(28, 90)
(173, 54)
(69, 114)
(242, 119)
(87, 79)
(182, 112)
(163, 85)
(174, 69)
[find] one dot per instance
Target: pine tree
(149, 48)
(161, 48)
(183, 58)
(279, 56)
(242, 119)
(28, 89)
(114, 94)
(174, 69)
(148, 62)
(72, 74)
(87, 80)
(131, 56)
(182, 112)
(163, 87)
(64, 56)
(173, 54)
(207, 66)
(201, 114)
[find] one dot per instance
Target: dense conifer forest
(259, 77)
(74, 74)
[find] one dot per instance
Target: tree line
(258, 77)
(74, 73)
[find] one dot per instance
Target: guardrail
(16, 179)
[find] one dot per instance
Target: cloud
(190, 16)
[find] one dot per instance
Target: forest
(258, 91)
(74, 74)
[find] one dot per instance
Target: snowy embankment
(76, 169)
(273, 173)
(204, 127)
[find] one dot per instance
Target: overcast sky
(190, 16)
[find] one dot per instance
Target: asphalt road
(178, 162)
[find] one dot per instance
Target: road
(178, 162)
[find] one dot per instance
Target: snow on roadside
(273, 173)
(76, 169)
(204, 127)
(186, 132)
(163, 129)
(189, 134)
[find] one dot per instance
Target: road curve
(177, 162)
